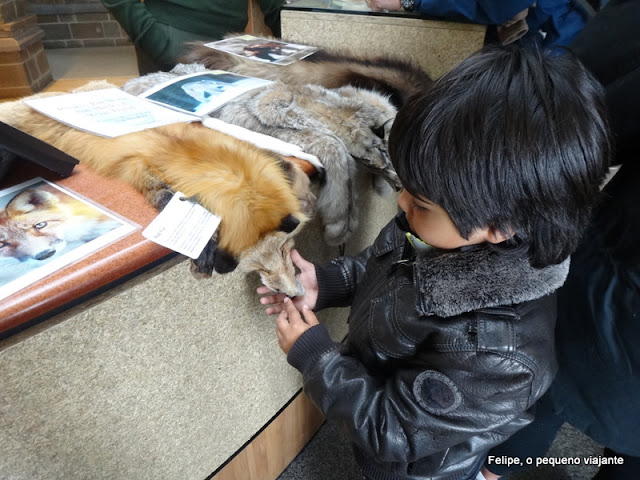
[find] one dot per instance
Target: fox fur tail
(395, 78)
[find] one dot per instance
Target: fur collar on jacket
(480, 277)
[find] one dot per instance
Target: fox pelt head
(244, 185)
(271, 258)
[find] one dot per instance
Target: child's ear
(493, 235)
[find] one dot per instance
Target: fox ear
(28, 200)
(379, 131)
(288, 224)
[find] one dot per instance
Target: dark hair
(512, 138)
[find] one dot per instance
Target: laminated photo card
(108, 112)
(111, 112)
(201, 93)
(44, 227)
(263, 49)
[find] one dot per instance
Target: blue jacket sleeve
(485, 12)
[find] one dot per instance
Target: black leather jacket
(445, 356)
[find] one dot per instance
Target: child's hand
(290, 325)
(308, 280)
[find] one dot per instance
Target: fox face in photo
(29, 237)
(36, 224)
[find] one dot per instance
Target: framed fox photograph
(44, 227)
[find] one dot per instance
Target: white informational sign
(109, 112)
(183, 226)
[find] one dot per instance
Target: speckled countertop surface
(436, 46)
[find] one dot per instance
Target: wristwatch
(407, 5)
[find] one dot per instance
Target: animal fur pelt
(271, 258)
(251, 189)
(397, 79)
(340, 127)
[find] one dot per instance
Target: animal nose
(43, 255)
(292, 290)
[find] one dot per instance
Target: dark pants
(146, 64)
(630, 469)
(532, 441)
(535, 439)
(471, 474)
(168, 58)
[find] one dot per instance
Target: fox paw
(160, 196)
(212, 259)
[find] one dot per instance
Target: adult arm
(477, 11)
(140, 25)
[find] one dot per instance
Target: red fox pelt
(395, 78)
(246, 186)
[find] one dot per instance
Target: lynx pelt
(251, 189)
(344, 128)
(271, 258)
(397, 79)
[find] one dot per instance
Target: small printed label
(183, 226)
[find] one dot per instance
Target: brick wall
(24, 68)
(77, 23)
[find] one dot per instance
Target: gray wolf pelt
(395, 78)
(251, 189)
(342, 127)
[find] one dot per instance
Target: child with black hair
(450, 338)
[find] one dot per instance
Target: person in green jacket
(159, 28)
